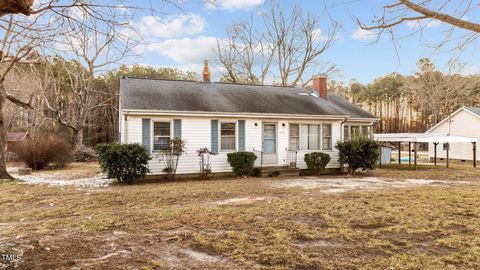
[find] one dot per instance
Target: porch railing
(259, 154)
(291, 158)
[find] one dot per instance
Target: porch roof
(421, 137)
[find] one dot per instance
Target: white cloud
(173, 26)
(364, 34)
(185, 51)
(234, 4)
(419, 24)
(317, 35)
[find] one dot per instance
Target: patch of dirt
(117, 250)
(340, 185)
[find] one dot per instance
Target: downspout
(342, 129)
(125, 130)
(342, 137)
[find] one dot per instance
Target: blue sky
(183, 38)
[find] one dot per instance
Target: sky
(183, 37)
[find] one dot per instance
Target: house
(279, 124)
(463, 122)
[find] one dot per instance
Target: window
(294, 137)
(350, 132)
(355, 131)
(310, 137)
(227, 137)
(346, 133)
(366, 131)
(161, 135)
(326, 137)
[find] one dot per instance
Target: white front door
(269, 144)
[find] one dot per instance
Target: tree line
(55, 87)
(412, 103)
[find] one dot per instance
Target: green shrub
(316, 161)
(241, 162)
(124, 162)
(358, 153)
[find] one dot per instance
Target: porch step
(282, 170)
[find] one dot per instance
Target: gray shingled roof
(475, 110)
(167, 95)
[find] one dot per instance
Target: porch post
(409, 154)
(435, 153)
(399, 153)
(381, 152)
(415, 154)
(448, 155)
(474, 154)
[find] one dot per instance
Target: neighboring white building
(463, 122)
(232, 117)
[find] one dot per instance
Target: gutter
(237, 115)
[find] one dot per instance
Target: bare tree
(33, 28)
(421, 14)
(284, 46)
(95, 45)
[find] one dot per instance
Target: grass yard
(246, 224)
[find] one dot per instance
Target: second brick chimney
(206, 72)
(320, 85)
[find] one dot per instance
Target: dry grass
(177, 225)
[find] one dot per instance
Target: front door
(269, 144)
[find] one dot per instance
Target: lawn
(252, 223)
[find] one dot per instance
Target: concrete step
(279, 169)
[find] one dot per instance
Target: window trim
(331, 137)
(220, 150)
(298, 137)
(152, 139)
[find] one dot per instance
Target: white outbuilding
(464, 122)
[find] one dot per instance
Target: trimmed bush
(358, 153)
(39, 152)
(242, 162)
(316, 162)
(83, 153)
(124, 162)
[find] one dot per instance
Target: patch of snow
(339, 185)
(55, 180)
(199, 256)
(240, 201)
(12, 169)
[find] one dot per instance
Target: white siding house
(463, 122)
(276, 123)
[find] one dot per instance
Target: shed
(386, 156)
(464, 122)
(14, 138)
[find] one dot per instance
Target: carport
(416, 138)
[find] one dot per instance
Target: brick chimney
(320, 85)
(206, 72)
